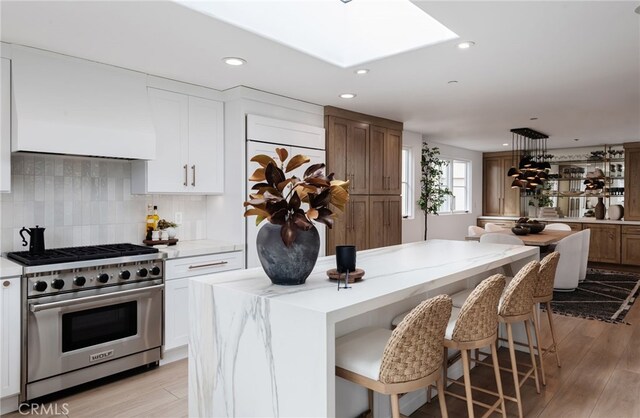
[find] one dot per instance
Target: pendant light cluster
(530, 159)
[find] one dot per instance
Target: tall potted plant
(433, 192)
(288, 244)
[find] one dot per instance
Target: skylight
(343, 34)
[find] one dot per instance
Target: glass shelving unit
(566, 189)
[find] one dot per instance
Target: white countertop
(199, 247)
(583, 220)
(390, 270)
(9, 269)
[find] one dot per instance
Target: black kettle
(36, 240)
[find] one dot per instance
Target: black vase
(287, 265)
(600, 209)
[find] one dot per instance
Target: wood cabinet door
(631, 249)
(348, 153)
(385, 221)
(394, 221)
(510, 197)
(631, 182)
(350, 227)
(377, 220)
(357, 164)
(604, 244)
(377, 172)
(493, 189)
(359, 225)
(393, 161)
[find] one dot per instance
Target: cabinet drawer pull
(199, 266)
(186, 174)
(6, 283)
(193, 183)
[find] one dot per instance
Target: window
(456, 177)
(407, 182)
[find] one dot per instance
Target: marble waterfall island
(261, 350)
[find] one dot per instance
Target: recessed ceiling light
(466, 44)
(576, 139)
(533, 118)
(235, 61)
(505, 145)
(362, 71)
(452, 82)
(638, 10)
(347, 95)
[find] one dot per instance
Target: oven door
(65, 335)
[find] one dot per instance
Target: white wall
(447, 226)
(85, 201)
(225, 219)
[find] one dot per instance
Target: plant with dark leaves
(279, 199)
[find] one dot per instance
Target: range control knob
(125, 274)
(143, 272)
(40, 286)
(79, 281)
(155, 270)
(57, 284)
(103, 278)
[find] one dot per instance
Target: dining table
(541, 239)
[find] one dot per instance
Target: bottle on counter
(152, 220)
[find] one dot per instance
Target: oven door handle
(62, 304)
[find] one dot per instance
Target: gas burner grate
(94, 252)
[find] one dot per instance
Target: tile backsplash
(85, 201)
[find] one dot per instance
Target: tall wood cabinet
(632, 181)
(498, 198)
(367, 151)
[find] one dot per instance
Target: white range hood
(66, 105)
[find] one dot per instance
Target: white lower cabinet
(9, 337)
(176, 304)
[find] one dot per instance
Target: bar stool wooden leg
(553, 333)
(445, 365)
(514, 368)
(441, 399)
(395, 406)
(496, 370)
(370, 395)
(532, 354)
(536, 329)
(467, 381)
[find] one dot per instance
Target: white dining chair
(500, 238)
(475, 231)
(489, 227)
(568, 271)
(584, 259)
(557, 227)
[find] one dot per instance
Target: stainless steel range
(89, 312)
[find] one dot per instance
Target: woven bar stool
(471, 327)
(543, 293)
(399, 361)
(516, 306)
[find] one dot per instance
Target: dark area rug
(604, 295)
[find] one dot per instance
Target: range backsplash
(86, 201)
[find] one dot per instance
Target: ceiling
(574, 65)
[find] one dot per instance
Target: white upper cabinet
(67, 105)
(190, 148)
(5, 126)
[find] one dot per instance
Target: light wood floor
(599, 378)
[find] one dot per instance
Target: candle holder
(345, 262)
